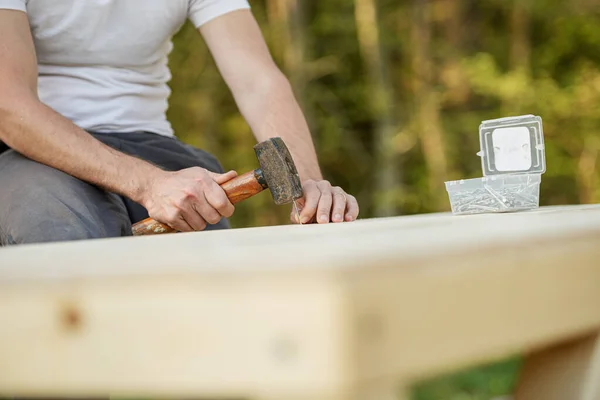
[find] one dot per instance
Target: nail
(348, 217)
(323, 218)
(337, 217)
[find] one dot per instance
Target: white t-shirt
(103, 63)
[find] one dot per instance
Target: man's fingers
(311, 201)
(351, 208)
(176, 221)
(193, 218)
(206, 210)
(217, 198)
(188, 210)
(219, 203)
(339, 205)
(185, 208)
(325, 201)
(222, 178)
(182, 226)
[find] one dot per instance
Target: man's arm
(266, 100)
(185, 200)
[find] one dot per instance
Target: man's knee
(52, 220)
(41, 204)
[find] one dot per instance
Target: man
(83, 95)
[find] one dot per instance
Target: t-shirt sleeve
(13, 5)
(202, 11)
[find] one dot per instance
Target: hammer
(277, 172)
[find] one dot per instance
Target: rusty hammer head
(278, 170)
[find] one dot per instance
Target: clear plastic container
(512, 145)
(512, 160)
(496, 193)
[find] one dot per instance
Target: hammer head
(279, 170)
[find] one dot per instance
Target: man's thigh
(42, 204)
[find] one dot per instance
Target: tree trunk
(520, 45)
(453, 28)
(520, 48)
(586, 170)
(387, 170)
(427, 104)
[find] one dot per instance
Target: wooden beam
(297, 312)
(568, 370)
(233, 337)
(436, 316)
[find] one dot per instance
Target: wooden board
(294, 311)
(569, 370)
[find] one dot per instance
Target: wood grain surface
(301, 312)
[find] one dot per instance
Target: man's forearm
(41, 134)
(267, 102)
(272, 110)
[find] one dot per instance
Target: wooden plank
(566, 371)
(435, 316)
(323, 248)
(173, 337)
(294, 311)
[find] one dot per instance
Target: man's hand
(323, 203)
(187, 200)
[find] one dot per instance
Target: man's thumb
(222, 178)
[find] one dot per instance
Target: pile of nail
(486, 199)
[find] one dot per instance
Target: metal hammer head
(279, 170)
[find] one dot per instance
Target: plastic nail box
(512, 160)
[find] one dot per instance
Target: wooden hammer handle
(244, 186)
(237, 189)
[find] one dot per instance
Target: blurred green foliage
(446, 65)
(441, 67)
(484, 383)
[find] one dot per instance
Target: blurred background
(394, 92)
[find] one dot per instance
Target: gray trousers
(42, 204)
